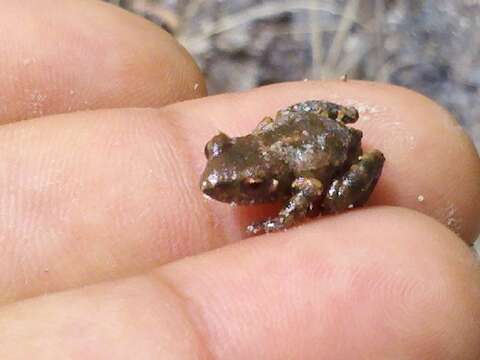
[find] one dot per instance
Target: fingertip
(73, 55)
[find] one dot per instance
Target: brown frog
(306, 157)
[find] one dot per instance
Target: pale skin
(110, 251)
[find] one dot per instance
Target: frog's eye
(333, 113)
(217, 145)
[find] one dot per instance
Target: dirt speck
(452, 219)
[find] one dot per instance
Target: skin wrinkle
(112, 302)
(379, 285)
(169, 151)
(392, 284)
(25, 249)
(376, 277)
(217, 234)
(165, 156)
(185, 306)
(185, 178)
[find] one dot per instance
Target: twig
(316, 43)
(251, 14)
(346, 23)
(379, 18)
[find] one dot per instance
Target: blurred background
(431, 46)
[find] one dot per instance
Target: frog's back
(309, 142)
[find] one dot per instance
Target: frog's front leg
(306, 191)
(344, 114)
(354, 187)
(263, 125)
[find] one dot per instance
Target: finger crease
(184, 305)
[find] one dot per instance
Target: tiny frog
(307, 157)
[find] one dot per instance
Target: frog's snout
(206, 187)
(210, 187)
(209, 190)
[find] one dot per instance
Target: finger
(64, 56)
(332, 290)
(103, 194)
(431, 164)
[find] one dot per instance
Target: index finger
(109, 193)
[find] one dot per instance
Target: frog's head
(236, 172)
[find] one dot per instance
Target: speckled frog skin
(306, 157)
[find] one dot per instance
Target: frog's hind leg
(354, 187)
(343, 114)
(306, 192)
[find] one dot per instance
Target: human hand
(109, 250)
